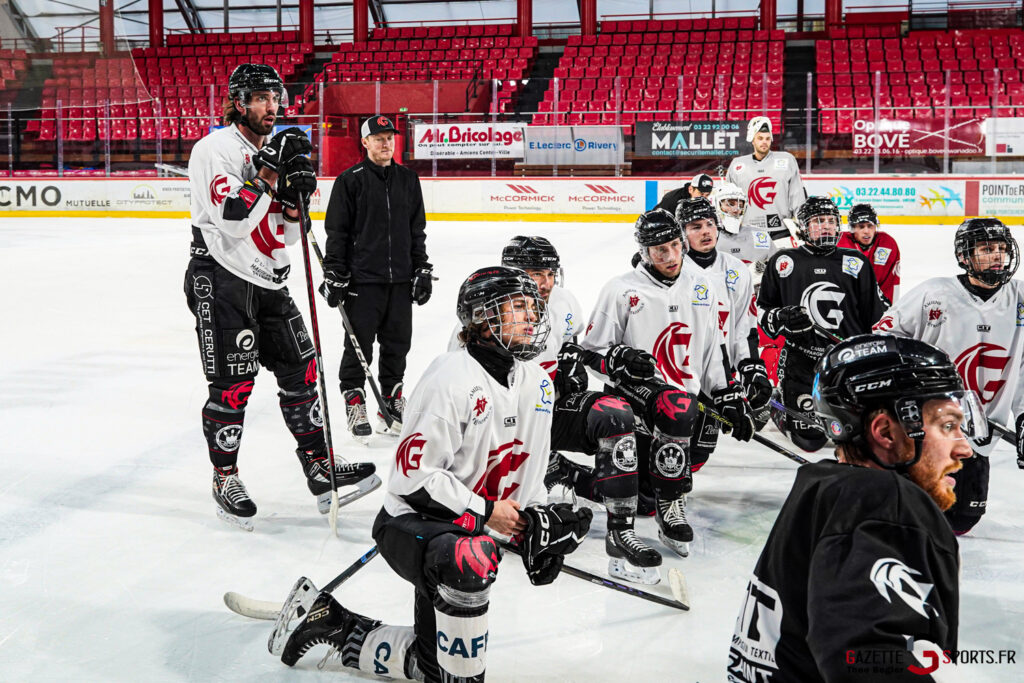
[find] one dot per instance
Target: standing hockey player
(878, 247)
(702, 185)
(472, 459)
(815, 285)
(659, 310)
(860, 568)
(771, 181)
(734, 291)
(245, 197)
(978, 319)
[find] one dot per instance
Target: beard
(934, 486)
(257, 125)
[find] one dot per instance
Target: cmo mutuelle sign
(469, 140)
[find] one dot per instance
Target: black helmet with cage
(816, 208)
(480, 301)
(986, 234)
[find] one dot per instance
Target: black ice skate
(395, 405)
(328, 623)
(234, 505)
(630, 558)
(316, 466)
(564, 472)
(673, 529)
(355, 410)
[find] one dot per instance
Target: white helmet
(729, 220)
(757, 125)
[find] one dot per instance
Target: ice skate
(630, 558)
(316, 467)
(296, 606)
(562, 471)
(327, 623)
(395, 404)
(234, 505)
(355, 410)
(673, 529)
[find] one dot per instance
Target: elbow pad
(238, 208)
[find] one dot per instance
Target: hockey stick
(269, 610)
(384, 411)
(764, 441)
(675, 578)
(793, 413)
(304, 223)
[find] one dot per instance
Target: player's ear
(884, 436)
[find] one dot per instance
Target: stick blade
(677, 582)
(251, 608)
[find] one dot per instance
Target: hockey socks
(222, 427)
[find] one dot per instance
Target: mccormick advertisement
(468, 141)
(918, 137)
(687, 139)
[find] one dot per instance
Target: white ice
(114, 564)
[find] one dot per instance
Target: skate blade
(362, 440)
(362, 488)
(395, 429)
(243, 523)
(681, 548)
(296, 605)
(619, 568)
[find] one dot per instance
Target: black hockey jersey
(838, 290)
(860, 568)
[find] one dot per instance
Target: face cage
(824, 242)
(491, 316)
(722, 212)
(990, 277)
(974, 425)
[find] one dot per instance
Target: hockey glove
(422, 284)
(571, 377)
(732, 405)
(755, 379)
(552, 532)
(1020, 441)
(278, 152)
(626, 363)
(334, 286)
(788, 321)
(298, 180)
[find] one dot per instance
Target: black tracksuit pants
(379, 312)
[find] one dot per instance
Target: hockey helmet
(861, 213)
(978, 231)
(729, 202)
(655, 227)
(531, 253)
(249, 78)
(816, 208)
(758, 124)
(480, 300)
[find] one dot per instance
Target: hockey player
(819, 286)
(860, 567)
(878, 247)
(245, 192)
(659, 310)
(753, 246)
(702, 185)
(734, 291)
(969, 317)
(771, 181)
(472, 459)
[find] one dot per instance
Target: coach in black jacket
(376, 263)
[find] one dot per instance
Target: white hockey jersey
(773, 188)
(985, 339)
(737, 315)
(466, 440)
(252, 248)
(749, 245)
(677, 324)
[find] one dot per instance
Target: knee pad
(300, 404)
(674, 414)
(230, 393)
(615, 467)
(609, 416)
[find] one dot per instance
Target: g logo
(762, 192)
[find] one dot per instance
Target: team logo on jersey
(503, 460)
(202, 287)
(316, 413)
(409, 454)
(780, 164)
(547, 394)
(228, 437)
(219, 189)
(933, 313)
(852, 265)
(1020, 315)
(569, 331)
(670, 460)
(479, 405)
(883, 325)
(893, 578)
(732, 276)
(822, 301)
(633, 300)
(738, 167)
(762, 240)
(672, 344)
(590, 326)
(981, 367)
(700, 294)
(264, 239)
(882, 256)
(723, 318)
(761, 192)
(784, 266)
(550, 367)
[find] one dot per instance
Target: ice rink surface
(113, 563)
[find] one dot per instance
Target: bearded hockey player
(813, 286)
(771, 181)
(878, 247)
(659, 310)
(978, 319)
(734, 291)
(860, 568)
(447, 489)
(245, 196)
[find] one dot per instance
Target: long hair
(231, 114)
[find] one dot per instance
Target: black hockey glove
(624, 362)
(732, 405)
(552, 532)
(298, 180)
(571, 377)
(1020, 441)
(278, 152)
(334, 287)
(755, 379)
(788, 321)
(422, 284)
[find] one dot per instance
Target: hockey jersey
(467, 440)
(985, 339)
(253, 248)
(837, 289)
(677, 324)
(736, 313)
(859, 564)
(749, 245)
(773, 186)
(884, 256)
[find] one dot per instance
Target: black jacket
(672, 198)
(375, 224)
